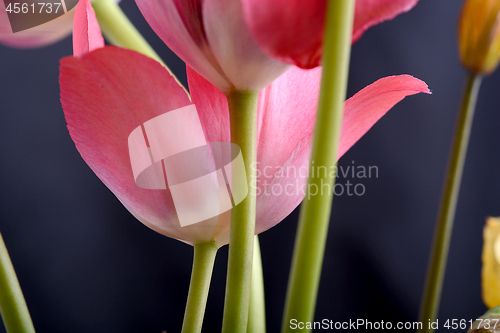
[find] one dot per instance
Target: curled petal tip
(367, 106)
(86, 32)
(413, 83)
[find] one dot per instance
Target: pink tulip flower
(107, 92)
(292, 30)
(213, 39)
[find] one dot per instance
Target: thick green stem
(203, 264)
(315, 211)
(257, 311)
(15, 314)
(243, 119)
(444, 224)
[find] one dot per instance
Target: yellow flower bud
(491, 262)
(479, 35)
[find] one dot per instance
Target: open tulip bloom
(112, 98)
(109, 92)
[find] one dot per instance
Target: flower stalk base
(444, 225)
(15, 314)
(315, 210)
(203, 264)
(243, 120)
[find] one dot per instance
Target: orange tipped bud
(479, 35)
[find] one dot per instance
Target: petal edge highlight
(86, 32)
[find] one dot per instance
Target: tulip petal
(214, 115)
(212, 107)
(369, 13)
(292, 30)
(106, 94)
(86, 32)
(289, 30)
(243, 62)
(367, 106)
(38, 36)
(286, 122)
(178, 23)
(287, 186)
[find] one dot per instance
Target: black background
(86, 265)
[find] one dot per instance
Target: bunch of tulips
(270, 77)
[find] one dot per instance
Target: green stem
(243, 120)
(15, 314)
(444, 224)
(315, 211)
(203, 264)
(257, 311)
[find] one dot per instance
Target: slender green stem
(243, 120)
(257, 311)
(15, 314)
(315, 211)
(203, 264)
(444, 224)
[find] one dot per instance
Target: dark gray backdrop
(86, 265)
